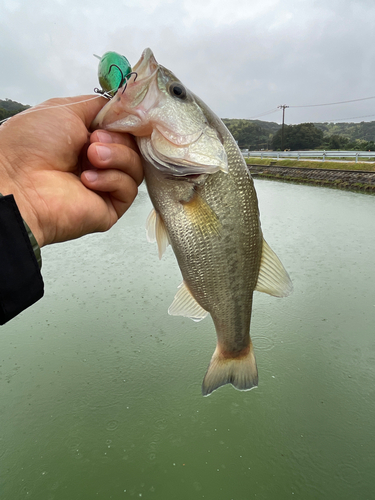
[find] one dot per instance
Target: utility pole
(283, 106)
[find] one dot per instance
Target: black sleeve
(21, 283)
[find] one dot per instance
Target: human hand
(66, 181)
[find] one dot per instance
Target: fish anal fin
(239, 370)
(201, 215)
(184, 304)
(273, 278)
(156, 231)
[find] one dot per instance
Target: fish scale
(205, 206)
(220, 270)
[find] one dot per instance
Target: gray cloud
(242, 58)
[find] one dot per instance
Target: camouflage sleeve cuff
(34, 243)
(21, 283)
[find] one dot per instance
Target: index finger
(106, 137)
(118, 157)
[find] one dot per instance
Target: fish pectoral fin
(273, 278)
(201, 215)
(240, 371)
(156, 231)
(184, 304)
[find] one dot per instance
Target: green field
(333, 165)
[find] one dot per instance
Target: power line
(333, 103)
(317, 105)
(344, 119)
(263, 114)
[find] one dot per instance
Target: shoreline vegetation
(318, 164)
(9, 108)
(257, 135)
(341, 175)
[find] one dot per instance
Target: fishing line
(43, 108)
(106, 94)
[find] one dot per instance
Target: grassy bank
(333, 165)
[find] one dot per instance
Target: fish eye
(177, 90)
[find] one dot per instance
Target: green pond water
(100, 389)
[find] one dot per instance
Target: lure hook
(105, 94)
(126, 79)
(123, 82)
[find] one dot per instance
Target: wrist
(9, 186)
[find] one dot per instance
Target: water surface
(100, 388)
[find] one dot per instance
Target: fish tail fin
(240, 371)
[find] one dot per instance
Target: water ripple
(263, 343)
(349, 473)
(112, 425)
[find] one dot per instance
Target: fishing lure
(114, 72)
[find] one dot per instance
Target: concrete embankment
(342, 179)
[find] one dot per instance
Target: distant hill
(252, 134)
(9, 108)
(257, 134)
(364, 131)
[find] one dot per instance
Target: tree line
(9, 108)
(256, 134)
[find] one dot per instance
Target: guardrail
(310, 154)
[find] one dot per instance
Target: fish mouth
(147, 65)
(175, 140)
(127, 110)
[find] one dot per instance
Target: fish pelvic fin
(240, 371)
(156, 231)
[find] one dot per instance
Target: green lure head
(113, 71)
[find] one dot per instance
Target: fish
(205, 207)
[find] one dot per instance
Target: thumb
(86, 107)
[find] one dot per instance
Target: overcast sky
(242, 57)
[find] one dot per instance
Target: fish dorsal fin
(184, 304)
(156, 231)
(273, 278)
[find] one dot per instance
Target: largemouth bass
(206, 207)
